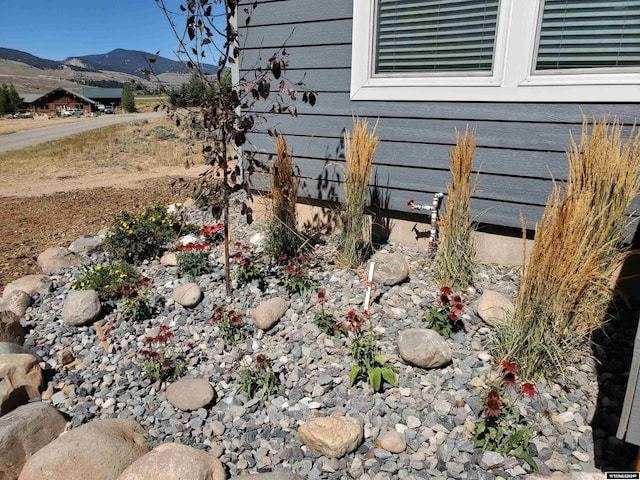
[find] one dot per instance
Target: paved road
(27, 138)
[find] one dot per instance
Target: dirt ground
(49, 213)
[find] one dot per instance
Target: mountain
(130, 62)
(133, 62)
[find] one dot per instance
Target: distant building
(62, 99)
(105, 96)
(58, 101)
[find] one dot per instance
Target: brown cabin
(59, 100)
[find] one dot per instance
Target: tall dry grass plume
(566, 287)
(454, 263)
(359, 148)
(282, 233)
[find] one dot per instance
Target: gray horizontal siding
(520, 147)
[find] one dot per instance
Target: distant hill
(130, 62)
(24, 57)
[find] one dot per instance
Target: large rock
(16, 302)
(494, 308)
(392, 441)
(29, 284)
(23, 432)
(190, 394)
(269, 312)
(21, 380)
(10, 328)
(424, 348)
(86, 244)
(80, 307)
(55, 259)
(99, 450)
(187, 295)
(169, 259)
(390, 269)
(9, 347)
(333, 436)
(172, 461)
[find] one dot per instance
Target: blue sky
(56, 29)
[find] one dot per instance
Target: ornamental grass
(566, 288)
(359, 149)
(454, 263)
(282, 233)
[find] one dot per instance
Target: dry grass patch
(566, 288)
(127, 147)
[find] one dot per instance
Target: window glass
(589, 34)
(435, 35)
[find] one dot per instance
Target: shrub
(136, 305)
(193, 260)
(247, 270)
(565, 289)
(231, 324)
(370, 366)
(135, 238)
(162, 362)
(454, 262)
(326, 321)
(282, 234)
(109, 281)
(164, 133)
(359, 151)
(259, 378)
(445, 317)
(505, 428)
(296, 276)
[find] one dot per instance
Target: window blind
(589, 34)
(435, 35)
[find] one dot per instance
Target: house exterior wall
(58, 100)
(520, 146)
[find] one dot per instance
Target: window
(496, 50)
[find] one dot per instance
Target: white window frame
(510, 81)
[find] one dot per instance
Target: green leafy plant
(503, 427)
(326, 321)
(231, 324)
(259, 378)
(370, 366)
(137, 306)
(444, 318)
(193, 260)
(108, 280)
(134, 238)
(296, 276)
(247, 270)
(161, 360)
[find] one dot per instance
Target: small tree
(4, 99)
(128, 101)
(224, 120)
(14, 100)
